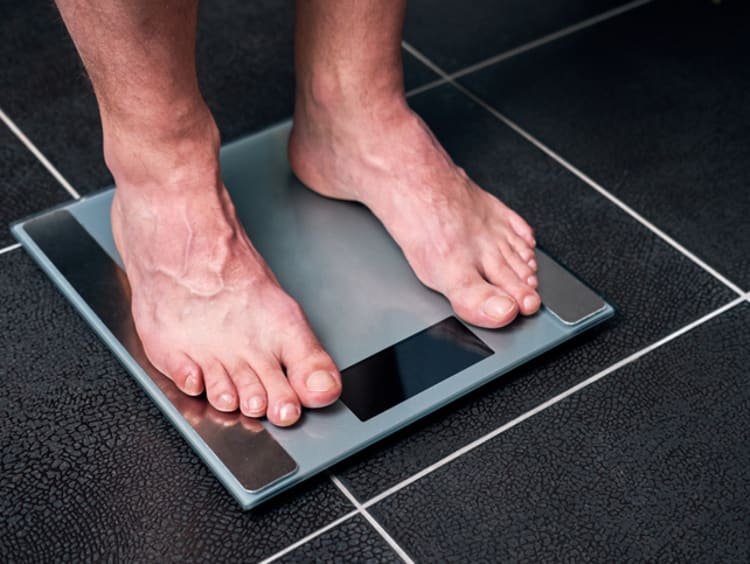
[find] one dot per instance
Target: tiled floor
(622, 138)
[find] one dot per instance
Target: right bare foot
(210, 313)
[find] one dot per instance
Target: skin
(210, 313)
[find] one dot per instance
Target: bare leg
(208, 310)
(355, 138)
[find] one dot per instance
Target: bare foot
(209, 311)
(460, 240)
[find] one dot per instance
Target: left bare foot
(460, 240)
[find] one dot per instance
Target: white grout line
(425, 87)
(550, 402)
(38, 154)
(309, 537)
(377, 526)
(604, 16)
(549, 152)
(359, 510)
(10, 248)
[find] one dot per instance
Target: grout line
(550, 402)
(375, 525)
(604, 16)
(10, 248)
(38, 154)
(425, 87)
(309, 537)
(588, 180)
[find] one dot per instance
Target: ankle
(337, 94)
(168, 150)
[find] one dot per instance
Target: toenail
(226, 399)
(289, 412)
(498, 307)
(191, 384)
(532, 280)
(530, 302)
(255, 403)
(320, 381)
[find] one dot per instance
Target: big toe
(311, 371)
(480, 303)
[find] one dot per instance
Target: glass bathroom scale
(401, 351)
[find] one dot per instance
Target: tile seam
(10, 248)
(39, 155)
(530, 45)
(371, 520)
(304, 540)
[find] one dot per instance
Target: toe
(181, 369)
(520, 267)
(283, 407)
(220, 389)
(252, 394)
(522, 229)
(311, 372)
(501, 275)
(480, 303)
(520, 247)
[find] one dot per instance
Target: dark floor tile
(25, 184)
(245, 66)
(650, 464)
(456, 34)
(655, 105)
(656, 289)
(90, 469)
(352, 541)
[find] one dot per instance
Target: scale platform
(401, 350)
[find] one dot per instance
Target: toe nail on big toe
(320, 381)
(498, 307)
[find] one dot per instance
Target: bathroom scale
(401, 350)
